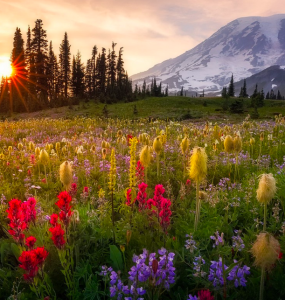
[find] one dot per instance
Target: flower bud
(266, 188)
(198, 164)
(65, 174)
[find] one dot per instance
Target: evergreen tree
(93, 74)
(267, 95)
(52, 76)
(245, 95)
(102, 73)
(64, 62)
(279, 97)
(224, 92)
(272, 95)
(39, 48)
(18, 80)
(88, 79)
(181, 91)
(231, 90)
(77, 81)
(144, 89)
(120, 75)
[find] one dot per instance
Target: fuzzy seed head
(31, 146)
(266, 188)
(44, 157)
(198, 164)
(203, 195)
(252, 141)
(37, 151)
(229, 144)
(145, 156)
(104, 153)
(157, 145)
(65, 174)
(184, 145)
(265, 250)
(20, 146)
(57, 146)
(237, 144)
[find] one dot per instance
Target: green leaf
(116, 258)
(15, 250)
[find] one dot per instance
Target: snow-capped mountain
(243, 47)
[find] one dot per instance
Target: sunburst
(6, 69)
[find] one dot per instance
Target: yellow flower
(229, 144)
(112, 172)
(44, 157)
(184, 145)
(157, 145)
(198, 164)
(65, 174)
(145, 156)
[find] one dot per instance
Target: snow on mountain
(243, 47)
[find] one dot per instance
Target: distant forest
(42, 80)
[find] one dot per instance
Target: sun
(6, 69)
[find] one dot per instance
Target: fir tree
(18, 89)
(39, 48)
(231, 90)
(77, 82)
(64, 62)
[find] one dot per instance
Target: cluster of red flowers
(159, 205)
(32, 260)
(20, 215)
(140, 172)
(73, 190)
(141, 197)
(64, 200)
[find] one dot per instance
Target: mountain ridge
(243, 47)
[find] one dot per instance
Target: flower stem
(261, 290)
(197, 214)
(265, 213)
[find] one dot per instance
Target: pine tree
(39, 48)
(93, 72)
(144, 89)
(166, 91)
(181, 91)
(88, 79)
(120, 75)
(64, 62)
(77, 81)
(102, 73)
(231, 90)
(18, 82)
(245, 95)
(52, 76)
(279, 97)
(224, 92)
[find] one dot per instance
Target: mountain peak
(243, 47)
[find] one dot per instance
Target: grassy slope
(169, 107)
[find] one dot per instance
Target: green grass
(173, 108)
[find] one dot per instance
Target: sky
(150, 31)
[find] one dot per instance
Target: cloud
(149, 31)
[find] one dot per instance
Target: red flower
(64, 201)
(151, 203)
(73, 190)
(158, 192)
(129, 197)
(188, 182)
(32, 159)
(141, 197)
(205, 295)
(29, 173)
(29, 210)
(280, 255)
(53, 219)
(44, 180)
(57, 236)
(41, 255)
(65, 217)
(30, 242)
(140, 172)
(86, 190)
(31, 261)
(129, 137)
(17, 220)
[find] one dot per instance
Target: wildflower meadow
(142, 209)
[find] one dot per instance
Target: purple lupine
(238, 244)
(198, 263)
(237, 275)
(216, 272)
(218, 239)
(190, 243)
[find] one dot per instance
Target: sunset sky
(149, 31)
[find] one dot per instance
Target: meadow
(142, 208)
